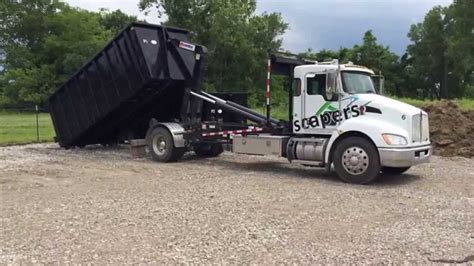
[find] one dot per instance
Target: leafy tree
(44, 42)
(115, 20)
(461, 47)
(327, 55)
(23, 27)
(378, 58)
(369, 54)
(237, 39)
(429, 52)
(438, 63)
(440, 59)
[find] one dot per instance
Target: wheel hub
(159, 145)
(355, 160)
(162, 145)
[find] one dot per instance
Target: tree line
(43, 42)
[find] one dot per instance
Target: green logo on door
(326, 107)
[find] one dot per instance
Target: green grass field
(20, 128)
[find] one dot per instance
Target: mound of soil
(451, 129)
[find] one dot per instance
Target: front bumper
(404, 157)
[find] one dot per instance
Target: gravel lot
(99, 205)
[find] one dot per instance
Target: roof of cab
(301, 70)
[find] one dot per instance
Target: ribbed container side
(137, 73)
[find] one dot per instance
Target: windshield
(357, 82)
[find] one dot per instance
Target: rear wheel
(208, 150)
(356, 160)
(161, 146)
(394, 170)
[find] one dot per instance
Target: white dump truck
(337, 118)
(147, 82)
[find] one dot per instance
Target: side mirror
(331, 87)
(382, 84)
(378, 81)
(331, 94)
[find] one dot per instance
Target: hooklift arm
(274, 121)
(235, 108)
(281, 64)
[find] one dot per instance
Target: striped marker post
(269, 81)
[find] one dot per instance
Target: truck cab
(336, 108)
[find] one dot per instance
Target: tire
(208, 150)
(356, 160)
(394, 170)
(161, 145)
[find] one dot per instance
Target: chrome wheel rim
(159, 145)
(355, 160)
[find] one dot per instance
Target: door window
(322, 84)
(316, 85)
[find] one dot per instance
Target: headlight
(394, 140)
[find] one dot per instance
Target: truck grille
(420, 129)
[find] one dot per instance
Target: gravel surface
(99, 205)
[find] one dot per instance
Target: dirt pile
(451, 129)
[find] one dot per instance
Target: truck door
(314, 107)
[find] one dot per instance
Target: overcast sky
(319, 24)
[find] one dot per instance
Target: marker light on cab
(394, 140)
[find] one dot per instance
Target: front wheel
(356, 160)
(161, 145)
(394, 170)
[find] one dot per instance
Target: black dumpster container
(142, 73)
